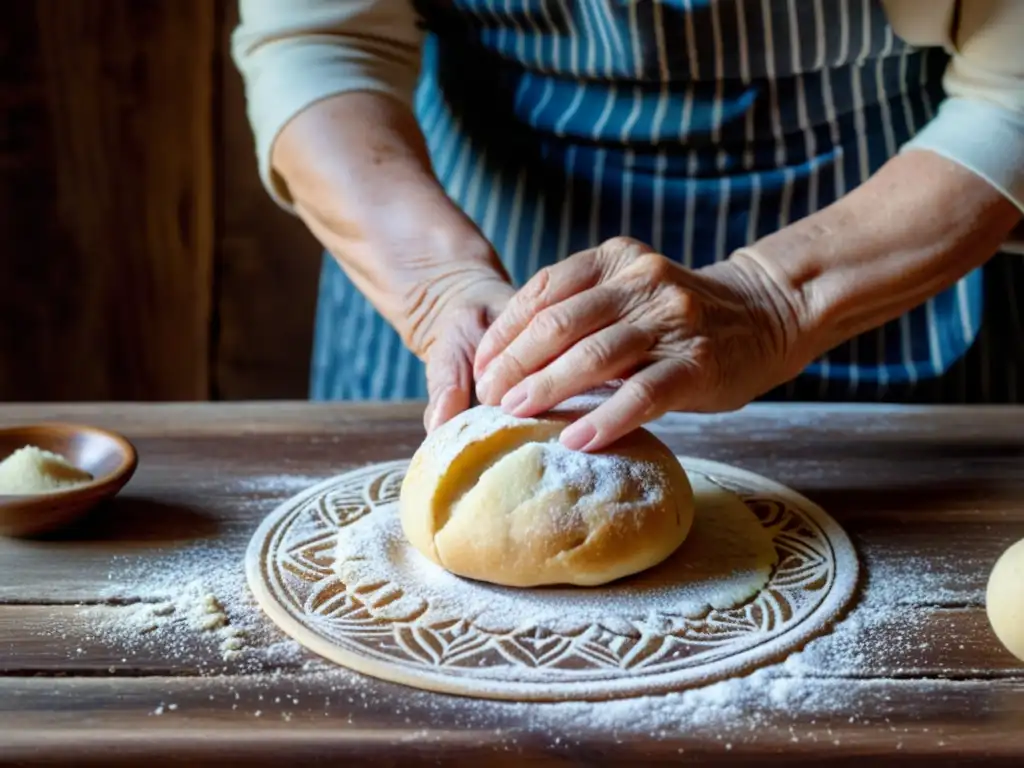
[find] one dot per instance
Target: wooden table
(931, 497)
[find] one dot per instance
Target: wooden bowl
(107, 456)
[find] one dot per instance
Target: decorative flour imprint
(762, 571)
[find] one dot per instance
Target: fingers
(449, 403)
(450, 369)
(606, 355)
(549, 286)
(548, 335)
(449, 360)
(448, 384)
(646, 395)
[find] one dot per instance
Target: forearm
(358, 172)
(352, 149)
(294, 53)
(912, 230)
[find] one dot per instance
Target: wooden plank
(105, 194)
(913, 673)
(225, 421)
(267, 262)
(873, 641)
(145, 533)
(820, 436)
(111, 641)
(945, 520)
(271, 720)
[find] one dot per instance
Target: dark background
(142, 260)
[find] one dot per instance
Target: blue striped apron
(697, 126)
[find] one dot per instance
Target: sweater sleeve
(980, 124)
(293, 53)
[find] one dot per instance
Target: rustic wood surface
(142, 258)
(267, 261)
(913, 674)
(106, 199)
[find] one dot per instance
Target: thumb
(450, 372)
(449, 360)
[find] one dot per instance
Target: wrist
(774, 307)
(359, 173)
(911, 231)
(790, 262)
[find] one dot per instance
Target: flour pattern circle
(386, 629)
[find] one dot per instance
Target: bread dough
(728, 556)
(1004, 600)
(496, 498)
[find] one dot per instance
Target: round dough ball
(496, 498)
(1004, 600)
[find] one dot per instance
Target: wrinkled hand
(357, 168)
(701, 340)
(436, 280)
(446, 316)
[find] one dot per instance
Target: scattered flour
(603, 478)
(896, 590)
(736, 712)
(281, 484)
(196, 600)
(191, 607)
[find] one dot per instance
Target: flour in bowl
(31, 471)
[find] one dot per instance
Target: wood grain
(268, 264)
(902, 722)
(106, 199)
(143, 259)
(912, 675)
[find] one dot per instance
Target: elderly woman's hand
(435, 279)
(358, 171)
(697, 340)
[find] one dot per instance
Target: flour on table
(284, 483)
(725, 561)
(152, 604)
(192, 605)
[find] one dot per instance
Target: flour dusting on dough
(607, 478)
(727, 558)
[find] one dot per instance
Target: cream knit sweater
(292, 53)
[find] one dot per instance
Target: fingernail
(578, 436)
(435, 421)
(514, 399)
(483, 386)
(480, 369)
(437, 412)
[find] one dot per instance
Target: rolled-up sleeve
(980, 124)
(293, 53)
